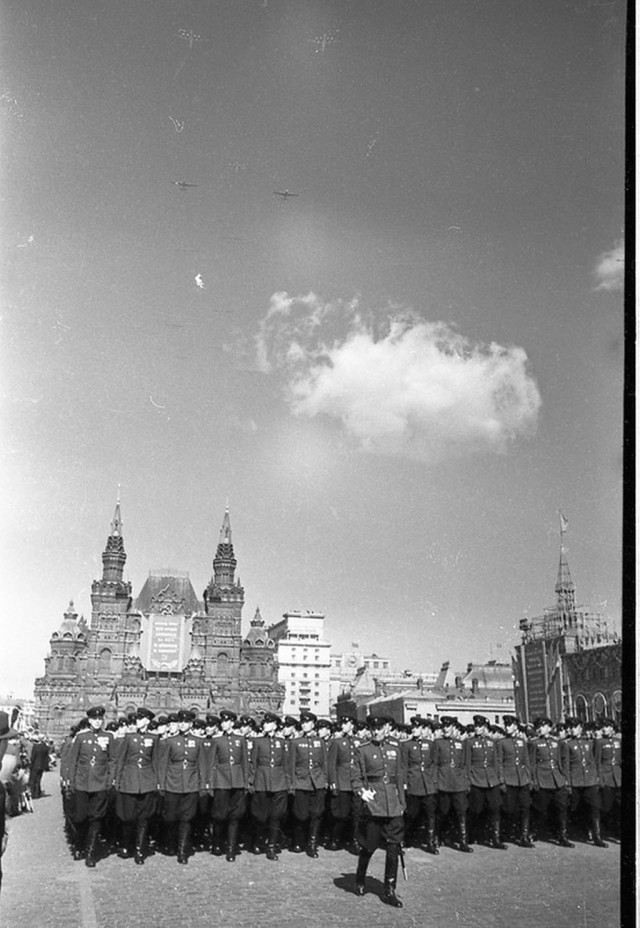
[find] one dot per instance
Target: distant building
(163, 650)
(304, 662)
(568, 663)
(21, 712)
(351, 671)
(484, 689)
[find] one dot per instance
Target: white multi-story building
(304, 662)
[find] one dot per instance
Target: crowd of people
(178, 784)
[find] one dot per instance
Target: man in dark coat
(227, 775)
(378, 776)
(181, 777)
(307, 760)
(515, 776)
(135, 783)
(269, 783)
(91, 769)
(38, 765)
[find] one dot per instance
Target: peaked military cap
(307, 716)
(132, 717)
(542, 720)
(212, 719)
(247, 719)
(325, 723)
(571, 721)
(228, 714)
(144, 713)
(96, 712)
(480, 720)
(448, 720)
(186, 715)
(509, 720)
(417, 721)
(199, 724)
(162, 720)
(377, 721)
(289, 720)
(271, 717)
(111, 726)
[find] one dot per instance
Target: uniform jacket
(608, 755)
(513, 760)
(228, 762)
(64, 758)
(379, 766)
(451, 770)
(481, 761)
(180, 764)
(579, 762)
(39, 757)
(268, 772)
(91, 761)
(341, 756)
(307, 763)
(547, 768)
(418, 763)
(135, 763)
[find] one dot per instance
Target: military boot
(563, 840)
(496, 842)
(363, 862)
(216, 840)
(232, 841)
(390, 877)
(127, 841)
(525, 837)
(597, 836)
(432, 844)
(333, 844)
(312, 843)
(272, 842)
(464, 844)
(298, 840)
(184, 831)
(92, 844)
(141, 837)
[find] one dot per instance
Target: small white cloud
(609, 271)
(398, 385)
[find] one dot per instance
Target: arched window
(104, 661)
(599, 706)
(582, 709)
(223, 664)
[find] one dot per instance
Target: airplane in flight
(321, 42)
(183, 184)
(284, 194)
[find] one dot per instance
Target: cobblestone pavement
(549, 887)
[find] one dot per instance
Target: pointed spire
(116, 522)
(114, 556)
(224, 563)
(225, 531)
(565, 587)
(257, 619)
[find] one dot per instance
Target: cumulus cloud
(398, 384)
(609, 271)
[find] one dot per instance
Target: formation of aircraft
(321, 42)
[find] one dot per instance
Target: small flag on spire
(564, 525)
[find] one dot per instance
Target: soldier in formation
(178, 783)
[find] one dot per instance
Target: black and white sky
(396, 378)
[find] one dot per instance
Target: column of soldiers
(178, 784)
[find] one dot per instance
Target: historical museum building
(165, 649)
(569, 662)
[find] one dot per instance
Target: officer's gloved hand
(503, 787)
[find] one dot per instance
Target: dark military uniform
(228, 777)
(608, 756)
(344, 804)
(378, 767)
(307, 769)
(181, 776)
(269, 783)
(481, 761)
(515, 771)
(421, 790)
(583, 780)
(136, 783)
(549, 783)
(452, 781)
(90, 770)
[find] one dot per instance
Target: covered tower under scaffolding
(545, 681)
